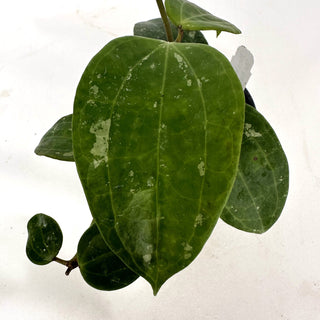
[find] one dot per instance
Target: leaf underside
(57, 142)
(191, 17)
(99, 266)
(155, 29)
(44, 239)
(156, 146)
(261, 186)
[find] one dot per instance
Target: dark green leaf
(44, 239)
(157, 145)
(57, 142)
(155, 29)
(99, 266)
(262, 182)
(191, 17)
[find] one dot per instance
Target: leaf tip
(155, 291)
(37, 151)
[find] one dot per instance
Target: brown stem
(180, 34)
(70, 264)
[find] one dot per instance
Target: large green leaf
(191, 17)
(99, 266)
(44, 239)
(261, 187)
(157, 144)
(155, 29)
(57, 142)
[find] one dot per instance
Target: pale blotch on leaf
(203, 79)
(187, 250)
(68, 154)
(100, 148)
(199, 220)
(192, 34)
(178, 57)
(150, 182)
(250, 132)
(95, 89)
(182, 63)
(129, 76)
(201, 168)
(147, 258)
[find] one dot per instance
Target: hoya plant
(165, 141)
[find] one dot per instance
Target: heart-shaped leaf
(99, 266)
(192, 17)
(57, 142)
(44, 239)
(261, 187)
(155, 29)
(157, 144)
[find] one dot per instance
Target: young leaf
(260, 190)
(155, 29)
(191, 17)
(57, 142)
(44, 239)
(99, 266)
(156, 146)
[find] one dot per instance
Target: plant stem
(70, 264)
(180, 34)
(165, 20)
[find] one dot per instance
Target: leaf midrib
(158, 212)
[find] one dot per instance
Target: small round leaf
(99, 266)
(44, 239)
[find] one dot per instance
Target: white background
(44, 48)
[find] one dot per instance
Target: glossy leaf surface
(261, 187)
(99, 266)
(44, 239)
(57, 142)
(156, 146)
(192, 17)
(155, 29)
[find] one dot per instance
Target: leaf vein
(158, 213)
(126, 78)
(205, 131)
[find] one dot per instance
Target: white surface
(45, 46)
(242, 63)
